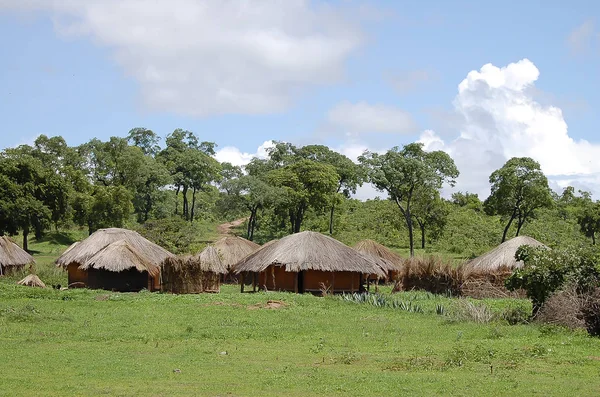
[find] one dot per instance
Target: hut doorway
(301, 282)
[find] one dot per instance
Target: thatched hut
(232, 250)
(32, 281)
(193, 274)
(501, 257)
(307, 262)
(388, 260)
(114, 259)
(12, 257)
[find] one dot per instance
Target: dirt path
(224, 229)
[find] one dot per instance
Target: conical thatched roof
(13, 255)
(309, 251)
(32, 281)
(233, 249)
(210, 260)
(387, 259)
(115, 250)
(119, 256)
(503, 256)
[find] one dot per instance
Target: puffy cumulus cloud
(361, 117)
(214, 56)
(500, 120)
(235, 156)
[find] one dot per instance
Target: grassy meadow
(88, 343)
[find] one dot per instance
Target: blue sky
(309, 72)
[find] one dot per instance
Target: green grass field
(88, 343)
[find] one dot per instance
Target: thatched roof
(13, 255)
(233, 249)
(119, 256)
(208, 260)
(32, 281)
(309, 251)
(503, 256)
(115, 250)
(387, 259)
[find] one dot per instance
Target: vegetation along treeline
(165, 189)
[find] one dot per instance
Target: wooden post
(242, 282)
(254, 282)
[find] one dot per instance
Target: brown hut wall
(76, 275)
(126, 281)
(275, 278)
(341, 281)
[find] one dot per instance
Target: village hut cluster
(122, 260)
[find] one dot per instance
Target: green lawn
(87, 343)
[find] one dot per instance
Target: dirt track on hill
(224, 229)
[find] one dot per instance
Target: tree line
(51, 185)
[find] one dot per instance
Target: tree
(468, 200)
(401, 172)
(518, 189)
(350, 175)
(106, 206)
(190, 164)
(588, 219)
(430, 212)
(307, 184)
(145, 139)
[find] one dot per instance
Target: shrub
(546, 271)
(563, 308)
(590, 311)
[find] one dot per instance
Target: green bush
(546, 271)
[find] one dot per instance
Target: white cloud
(235, 156)
(582, 38)
(361, 117)
(215, 56)
(501, 120)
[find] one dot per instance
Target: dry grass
(193, 274)
(233, 249)
(437, 276)
(32, 281)
(563, 308)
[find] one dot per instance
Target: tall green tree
(307, 184)
(588, 219)
(350, 175)
(145, 139)
(430, 212)
(518, 189)
(400, 172)
(191, 165)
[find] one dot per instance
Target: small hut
(12, 257)
(500, 258)
(307, 262)
(193, 274)
(232, 250)
(388, 260)
(32, 281)
(114, 259)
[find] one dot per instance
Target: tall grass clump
(379, 300)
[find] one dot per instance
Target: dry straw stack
(194, 274)
(12, 257)
(32, 281)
